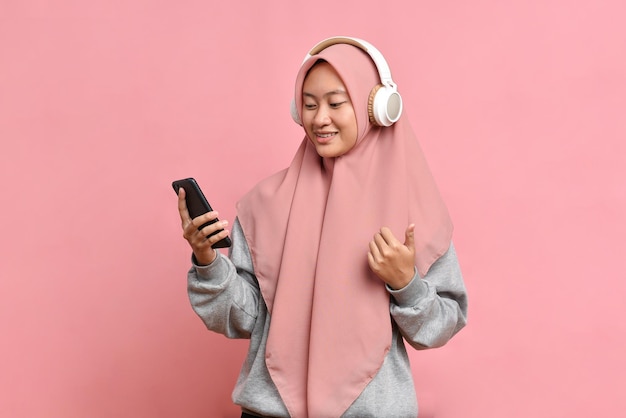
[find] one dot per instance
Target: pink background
(520, 107)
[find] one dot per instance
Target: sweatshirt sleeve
(429, 311)
(225, 293)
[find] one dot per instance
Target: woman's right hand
(197, 239)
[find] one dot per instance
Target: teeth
(325, 135)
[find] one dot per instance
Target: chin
(327, 153)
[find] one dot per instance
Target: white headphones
(384, 104)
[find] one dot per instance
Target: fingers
(383, 245)
(192, 226)
(214, 231)
(182, 207)
(204, 226)
(372, 262)
(374, 252)
(393, 261)
(409, 237)
(385, 238)
(201, 232)
(202, 239)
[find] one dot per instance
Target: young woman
(336, 260)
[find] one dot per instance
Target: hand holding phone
(197, 205)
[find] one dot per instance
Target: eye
(337, 104)
(309, 106)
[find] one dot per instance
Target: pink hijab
(308, 228)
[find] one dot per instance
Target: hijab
(308, 228)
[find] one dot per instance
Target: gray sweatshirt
(426, 313)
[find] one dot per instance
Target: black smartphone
(198, 205)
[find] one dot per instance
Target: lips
(324, 137)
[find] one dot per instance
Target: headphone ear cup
(384, 105)
(370, 104)
(294, 113)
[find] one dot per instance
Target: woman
(320, 277)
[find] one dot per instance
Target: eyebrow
(330, 93)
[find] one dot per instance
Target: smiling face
(327, 113)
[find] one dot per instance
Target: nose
(322, 116)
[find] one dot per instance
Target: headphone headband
(383, 69)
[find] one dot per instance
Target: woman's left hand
(392, 260)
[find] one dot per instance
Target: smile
(325, 135)
(323, 138)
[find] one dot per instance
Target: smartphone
(198, 205)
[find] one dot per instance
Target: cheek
(306, 122)
(354, 131)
